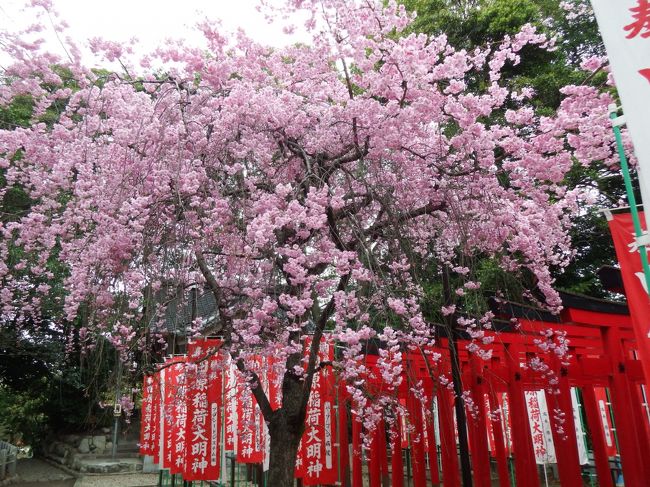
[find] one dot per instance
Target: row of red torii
(188, 436)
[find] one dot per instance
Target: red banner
(168, 410)
(204, 391)
(636, 292)
(179, 414)
(250, 439)
(317, 461)
(156, 430)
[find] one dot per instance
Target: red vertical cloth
(179, 423)
(622, 228)
(251, 441)
(318, 463)
(174, 367)
(204, 398)
(156, 430)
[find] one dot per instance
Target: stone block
(100, 443)
(73, 440)
(84, 446)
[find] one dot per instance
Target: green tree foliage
(46, 386)
(472, 23)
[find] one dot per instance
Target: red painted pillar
(566, 448)
(433, 448)
(357, 454)
(499, 443)
(597, 434)
(449, 452)
(526, 474)
(417, 441)
(641, 421)
(480, 450)
(344, 442)
(397, 465)
(623, 414)
(375, 456)
(383, 454)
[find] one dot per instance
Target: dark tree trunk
(285, 437)
(461, 419)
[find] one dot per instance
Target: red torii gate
(601, 344)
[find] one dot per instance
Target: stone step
(104, 466)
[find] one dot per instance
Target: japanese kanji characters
(204, 393)
(540, 428)
(146, 431)
(316, 462)
(641, 24)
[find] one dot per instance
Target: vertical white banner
(540, 427)
(580, 430)
(625, 27)
(327, 419)
(436, 422)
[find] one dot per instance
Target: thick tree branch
(375, 229)
(227, 330)
(315, 345)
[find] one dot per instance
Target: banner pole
(616, 123)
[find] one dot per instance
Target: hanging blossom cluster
(555, 342)
(481, 334)
(294, 184)
(560, 419)
(470, 405)
(546, 373)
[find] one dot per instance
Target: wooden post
(526, 474)
(417, 441)
(566, 448)
(433, 448)
(597, 434)
(641, 421)
(480, 450)
(374, 468)
(448, 440)
(344, 442)
(357, 454)
(451, 323)
(383, 454)
(623, 415)
(499, 443)
(397, 465)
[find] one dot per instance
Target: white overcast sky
(150, 21)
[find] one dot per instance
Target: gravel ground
(35, 470)
(123, 480)
(37, 473)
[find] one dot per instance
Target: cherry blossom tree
(302, 186)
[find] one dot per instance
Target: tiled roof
(179, 310)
